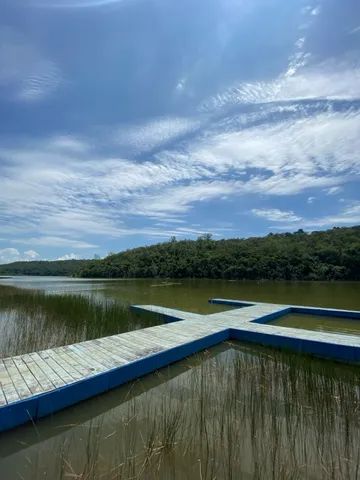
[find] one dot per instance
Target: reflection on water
(235, 411)
(344, 326)
(41, 312)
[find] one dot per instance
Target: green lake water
(41, 312)
(235, 411)
(320, 323)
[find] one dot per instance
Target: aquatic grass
(246, 412)
(32, 320)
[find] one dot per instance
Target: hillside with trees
(57, 267)
(327, 255)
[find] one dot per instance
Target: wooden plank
(18, 380)
(94, 364)
(40, 376)
(140, 350)
(109, 350)
(100, 355)
(64, 377)
(7, 385)
(73, 361)
(27, 375)
(2, 397)
(63, 360)
(129, 344)
(120, 354)
(87, 351)
(148, 340)
(45, 366)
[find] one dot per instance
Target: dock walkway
(41, 383)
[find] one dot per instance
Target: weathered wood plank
(63, 375)
(40, 376)
(62, 359)
(7, 385)
(27, 375)
(17, 379)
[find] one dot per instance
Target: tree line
(326, 255)
(41, 267)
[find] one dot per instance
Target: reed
(32, 320)
(245, 412)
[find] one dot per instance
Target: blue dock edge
(42, 405)
(48, 403)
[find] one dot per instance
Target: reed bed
(32, 320)
(243, 413)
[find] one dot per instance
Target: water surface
(236, 411)
(41, 312)
(320, 323)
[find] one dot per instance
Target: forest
(324, 255)
(38, 267)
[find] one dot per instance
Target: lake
(41, 312)
(233, 411)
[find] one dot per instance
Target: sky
(126, 122)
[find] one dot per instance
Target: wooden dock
(41, 383)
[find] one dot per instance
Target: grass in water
(243, 413)
(32, 320)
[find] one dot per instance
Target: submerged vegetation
(329, 255)
(235, 412)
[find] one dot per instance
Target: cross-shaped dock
(37, 384)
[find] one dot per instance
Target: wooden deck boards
(37, 374)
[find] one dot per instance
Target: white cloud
(180, 199)
(276, 215)
(69, 256)
(355, 30)
(320, 146)
(75, 3)
(311, 200)
(334, 190)
(8, 255)
(31, 254)
(26, 74)
(154, 133)
(48, 241)
(315, 11)
(350, 215)
(332, 80)
(62, 188)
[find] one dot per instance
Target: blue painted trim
(164, 316)
(272, 316)
(308, 311)
(328, 312)
(39, 406)
(234, 303)
(342, 353)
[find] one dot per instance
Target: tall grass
(246, 413)
(33, 320)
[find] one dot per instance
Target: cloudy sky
(125, 122)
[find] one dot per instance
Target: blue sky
(126, 122)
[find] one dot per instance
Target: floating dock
(38, 384)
